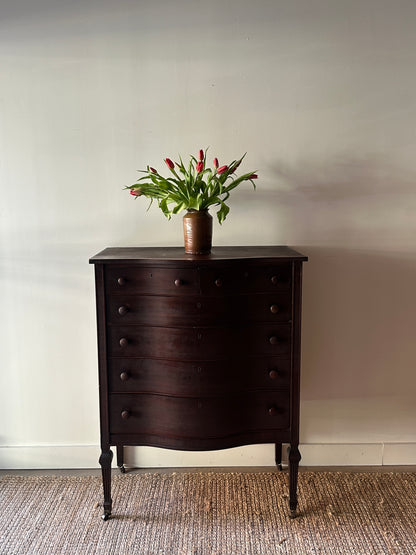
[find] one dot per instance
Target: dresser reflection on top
(198, 352)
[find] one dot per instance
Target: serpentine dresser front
(198, 352)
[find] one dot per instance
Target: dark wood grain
(245, 277)
(209, 417)
(150, 280)
(198, 352)
(202, 443)
(198, 343)
(191, 310)
(198, 378)
(165, 255)
(102, 356)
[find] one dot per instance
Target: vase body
(197, 231)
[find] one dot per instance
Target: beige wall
(322, 96)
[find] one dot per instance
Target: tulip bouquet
(195, 187)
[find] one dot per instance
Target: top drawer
(246, 279)
(151, 281)
(208, 280)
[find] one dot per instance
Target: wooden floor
(97, 471)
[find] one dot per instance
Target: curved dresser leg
(105, 462)
(120, 458)
(278, 455)
(294, 458)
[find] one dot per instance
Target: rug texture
(215, 513)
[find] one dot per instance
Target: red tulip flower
(200, 184)
(169, 163)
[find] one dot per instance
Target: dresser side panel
(102, 356)
(296, 346)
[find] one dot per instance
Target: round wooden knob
(273, 374)
(272, 411)
(274, 309)
(178, 282)
(125, 414)
(218, 282)
(123, 342)
(273, 340)
(122, 310)
(275, 279)
(124, 376)
(121, 281)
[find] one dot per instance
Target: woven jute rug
(210, 513)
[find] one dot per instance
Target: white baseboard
(86, 456)
(399, 453)
(49, 456)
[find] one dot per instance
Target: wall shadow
(359, 322)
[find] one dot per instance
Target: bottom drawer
(165, 416)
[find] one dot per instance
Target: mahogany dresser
(198, 352)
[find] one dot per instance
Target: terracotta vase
(197, 231)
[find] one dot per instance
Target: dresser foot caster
(106, 516)
(122, 468)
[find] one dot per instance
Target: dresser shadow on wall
(359, 321)
(359, 307)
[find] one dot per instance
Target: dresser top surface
(142, 255)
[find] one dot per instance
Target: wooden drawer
(197, 310)
(246, 279)
(207, 378)
(202, 417)
(199, 343)
(151, 281)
